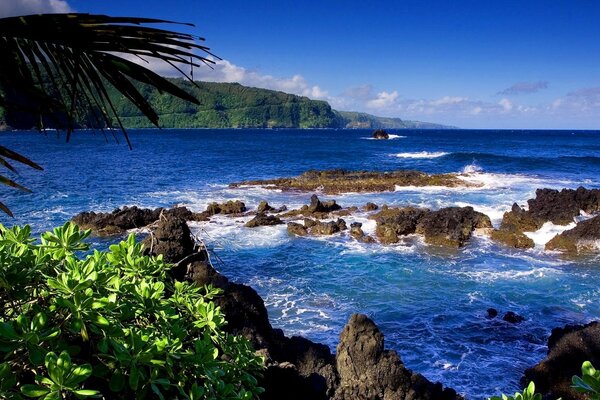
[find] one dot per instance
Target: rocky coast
(361, 368)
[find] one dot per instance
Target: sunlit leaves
(116, 316)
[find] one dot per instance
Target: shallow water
(430, 303)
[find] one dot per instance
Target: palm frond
(53, 65)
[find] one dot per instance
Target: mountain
(231, 105)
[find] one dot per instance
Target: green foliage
(528, 394)
(589, 382)
(112, 325)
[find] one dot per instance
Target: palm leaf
(53, 65)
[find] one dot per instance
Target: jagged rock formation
(123, 219)
(380, 134)
(342, 181)
(296, 367)
(583, 238)
(262, 219)
(568, 348)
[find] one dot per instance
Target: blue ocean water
(430, 303)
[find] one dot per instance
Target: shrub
(111, 324)
(589, 382)
(528, 394)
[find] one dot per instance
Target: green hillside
(231, 105)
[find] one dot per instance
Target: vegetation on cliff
(226, 105)
(114, 324)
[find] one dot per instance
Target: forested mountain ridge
(231, 105)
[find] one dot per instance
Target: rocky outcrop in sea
(297, 368)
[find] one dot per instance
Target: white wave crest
(547, 232)
(390, 136)
(422, 154)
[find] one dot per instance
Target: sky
(471, 63)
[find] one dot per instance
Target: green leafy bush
(589, 382)
(112, 325)
(528, 394)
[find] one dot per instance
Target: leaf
(86, 392)
(79, 374)
(34, 390)
(117, 382)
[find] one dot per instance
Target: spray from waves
(422, 154)
(390, 136)
(472, 168)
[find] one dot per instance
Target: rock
(326, 228)
(263, 219)
(171, 238)
(583, 238)
(367, 371)
(519, 220)
(317, 206)
(568, 348)
(229, 207)
(513, 318)
(451, 226)
(316, 209)
(558, 207)
(561, 207)
(357, 233)
(263, 207)
(370, 207)
(118, 221)
(514, 239)
(380, 134)
(395, 222)
(183, 213)
(297, 229)
(491, 313)
(343, 181)
(296, 367)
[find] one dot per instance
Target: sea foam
(422, 154)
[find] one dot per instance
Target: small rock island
(380, 134)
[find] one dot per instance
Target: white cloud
(10, 8)
(383, 100)
(506, 104)
(226, 71)
(447, 100)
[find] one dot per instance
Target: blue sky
(474, 64)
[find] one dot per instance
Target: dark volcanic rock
(451, 226)
(325, 228)
(263, 219)
(263, 207)
(317, 206)
(561, 207)
(380, 134)
(514, 239)
(583, 238)
(297, 229)
(357, 233)
(513, 317)
(491, 313)
(297, 368)
(229, 207)
(118, 221)
(568, 348)
(367, 371)
(519, 220)
(171, 238)
(395, 222)
(342, 181)
(370, 207)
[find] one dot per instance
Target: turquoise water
(431, 304)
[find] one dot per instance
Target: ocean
(430, 303)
